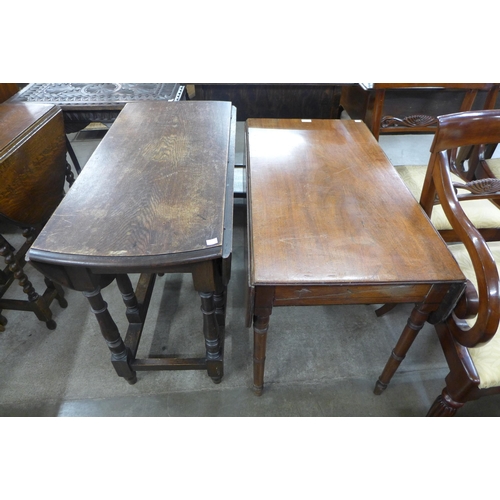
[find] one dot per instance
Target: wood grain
(155, 185)
(327, 207)
(32, 162)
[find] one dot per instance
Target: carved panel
(480, 186)
(68, 94)
(84, 103)
(408, 121)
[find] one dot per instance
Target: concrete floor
(321, 361)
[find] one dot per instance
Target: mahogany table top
(158, 187)
(327, 207)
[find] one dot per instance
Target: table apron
(350, 294)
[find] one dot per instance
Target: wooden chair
(468, 336)
(465, 166)
(33, 169)
(482, 163)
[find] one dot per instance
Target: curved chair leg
(444, 406)
(385, 309)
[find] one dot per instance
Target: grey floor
(321, 361)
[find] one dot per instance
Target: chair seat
(494, 165)
(480, 212)
(486, 358)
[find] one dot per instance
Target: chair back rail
(455, 131)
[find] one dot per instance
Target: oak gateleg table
(155, 197)
(331, 222)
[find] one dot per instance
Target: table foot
(380, 387)
(51, 324)
(258, 390)
(120, 355)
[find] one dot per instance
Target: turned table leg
(262, 310)
(133, 312)
(260, 328)
(415, 323)
(436, 307)
(207, 282)
(120, 355)
(220, 306)
(213, 341)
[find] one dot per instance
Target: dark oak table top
(156, 191)
(327, 207)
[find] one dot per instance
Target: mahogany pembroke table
(331, 222)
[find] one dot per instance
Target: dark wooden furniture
(468, 163)
(32, 173)
(7, 90)
(482, 212)
(155, 197)
(411, 107)
(84, 103)
(275, 100)
(330, 222)
(479, 162)
(468, 336)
